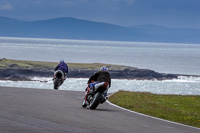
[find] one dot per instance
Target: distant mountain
(5, 20)
(71, 28)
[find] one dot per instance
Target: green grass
(8, 63)
(177, 108)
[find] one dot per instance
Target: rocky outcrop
(128, 73)
(142, 74)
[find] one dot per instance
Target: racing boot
(85, 103)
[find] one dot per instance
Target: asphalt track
(25, 110)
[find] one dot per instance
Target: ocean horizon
(175, 58)
(161, 57)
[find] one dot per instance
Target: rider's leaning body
(96, 80)
(63, 67)
(102, 76)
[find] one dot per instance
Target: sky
(169, 13)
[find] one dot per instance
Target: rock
(140, 74)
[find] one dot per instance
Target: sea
(174, 58)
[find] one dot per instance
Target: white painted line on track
(150, 116)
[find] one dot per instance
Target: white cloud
(7, 7)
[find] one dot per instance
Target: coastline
(25, 70)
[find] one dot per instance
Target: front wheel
(56, 83)
(95, 101)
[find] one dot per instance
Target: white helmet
(103, 68)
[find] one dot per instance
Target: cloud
(6, 6)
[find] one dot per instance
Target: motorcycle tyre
(96, 100)
(56, 83)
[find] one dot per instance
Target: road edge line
(150, 116)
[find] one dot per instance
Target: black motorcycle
(58, 79)
(94, 97)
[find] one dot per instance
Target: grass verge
(177, 108)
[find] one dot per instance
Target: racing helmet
(61, 61)
(103, 68)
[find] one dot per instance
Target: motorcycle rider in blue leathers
(63, 67)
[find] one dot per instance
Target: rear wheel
(56, 83)
(95, 102)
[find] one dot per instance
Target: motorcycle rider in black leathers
(102, 76)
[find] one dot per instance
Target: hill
(72, 28)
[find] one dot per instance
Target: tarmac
(30, 110)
